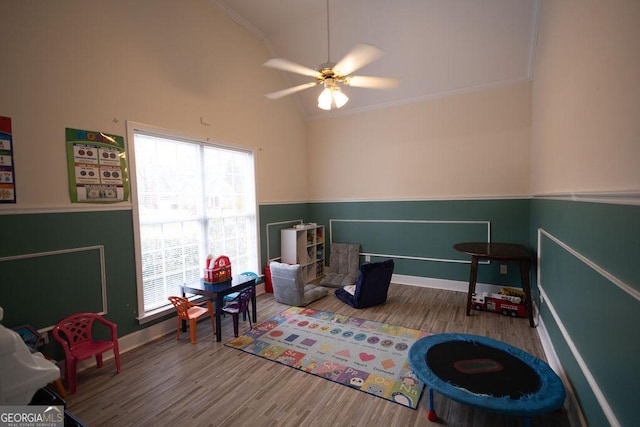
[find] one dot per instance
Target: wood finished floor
(173, 383)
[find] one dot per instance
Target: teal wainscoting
(591, 285)
(56, 264)
(418, 235)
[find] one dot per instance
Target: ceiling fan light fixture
(339, 97)
(325, 99)
(331, 74)
(331, 95)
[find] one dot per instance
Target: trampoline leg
(431, 413)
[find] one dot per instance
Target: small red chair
(74, 333)
(191, 312)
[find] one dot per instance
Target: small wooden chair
(192, 312)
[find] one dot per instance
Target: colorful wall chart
(7, 172)
(97, 167)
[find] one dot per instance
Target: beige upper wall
(469, 145)
(94, 65)
(586, 97)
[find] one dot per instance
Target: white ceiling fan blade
(359, 56)
(372, 82)
(289, 91)
(292, 67)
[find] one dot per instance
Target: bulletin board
(97, 167)
(7, 172)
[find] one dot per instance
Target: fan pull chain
(328, 35)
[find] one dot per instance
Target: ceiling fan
(331, 75)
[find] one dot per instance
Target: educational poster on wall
(7, 172)
(97, 167)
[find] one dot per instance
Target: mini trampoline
(487, 374)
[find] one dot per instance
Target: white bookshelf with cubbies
(304, 244)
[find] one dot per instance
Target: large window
(191, 199)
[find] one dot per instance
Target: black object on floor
(48, 397)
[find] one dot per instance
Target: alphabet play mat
(368, 356)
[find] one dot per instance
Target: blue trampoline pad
(487, 374)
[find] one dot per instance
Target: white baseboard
(571, 406)
(450, 285)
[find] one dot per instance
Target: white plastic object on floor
(22, 373)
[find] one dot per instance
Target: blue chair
(371, 287)
(232, 297)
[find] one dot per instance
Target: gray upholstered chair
(288, 287)
(344, 264)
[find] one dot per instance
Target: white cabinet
(304, 245)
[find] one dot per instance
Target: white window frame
(136, 128)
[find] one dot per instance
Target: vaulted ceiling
(434, 47)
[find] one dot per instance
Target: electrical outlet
(503, 268)
(367, 258)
